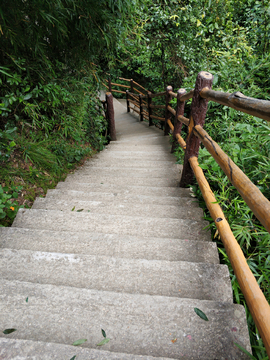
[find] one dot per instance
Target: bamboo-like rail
(253, 197)
(255, 299)
(121, 85)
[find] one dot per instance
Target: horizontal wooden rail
(125, 86)
(134, 82)
(133, 95)
(157, 94)
(171, 110)
(120, 78)
(170, 124)
(118, 91)
(134, 103)
(181, 141)
(255, 299)
(256, 201)
(138, 91)
(188, 95)
(132, 108)
(238, 101)
(158, 106)
(105, 86)
(183, 119)
(173, 94)
(157, 117)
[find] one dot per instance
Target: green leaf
(73, 208)
(26, 299)
(201, 314)
(73, 357)
(79, 342)
(80, 210)
(12, 144)
(27, 97)
(244, 351)
(104, 341)
(103, 333)
(9, 331)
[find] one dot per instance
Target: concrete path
(117, 246)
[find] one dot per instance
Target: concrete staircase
(117, 246)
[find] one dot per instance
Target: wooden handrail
(120, 78)
(158, 94)
(157, 117)
(238, 101)
(118, 91)
(134, 82)
(158, 106)
(138, 91)
(255, 299)
(255, 200)
(125, 86)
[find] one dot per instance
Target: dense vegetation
(51, 119)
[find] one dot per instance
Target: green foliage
(8, 205)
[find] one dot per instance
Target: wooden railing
(141, 99)
(109, 115)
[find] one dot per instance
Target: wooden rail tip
(206, 75)
(181, 91)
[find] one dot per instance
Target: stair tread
(136, 324)
(154, 277)
(101, 186)
(122, 195)
(115, 245)
(118, 207)
(116, 224)
(28, 349)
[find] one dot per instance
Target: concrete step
(138, 172)
(135, 324)
(125, 198)
(128, 163)
(115, 224)
(163, 148)
(118, 207)
(135, 155)
(135, 276)
(124, 180)
(115, 245)
(125, 189)
(28, 349)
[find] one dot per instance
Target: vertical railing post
(149, 108)
(110, 84)
(110, 114)
(141, 108)
(131, 86)
(179, 111)
(128, 108)
(168, 114)
(197, 117)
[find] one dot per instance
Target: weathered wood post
(179, 111)
(149, 99)
(128, 108)
(197, 117)
(168, 114)
(110, 114)
(110, 84)
(141, 108)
